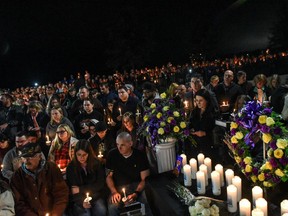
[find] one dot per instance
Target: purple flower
(273, 162)
(267, 111)
(255, 170)
(267, 176)
(240, 152)
(186, 132)
(173, 122)
(233, 132)
(167, 129)
(273, 144)
(276, 179)
(283, 161)
(277, 131)
(265, 129)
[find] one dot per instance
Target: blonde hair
(58, 142)
(260, 78)
(59, 109)
(35, 104)
(171, 89)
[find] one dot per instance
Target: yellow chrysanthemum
(166, 108)
(176, 129)
(262, 119)
(254, 178)
(234, 140)
(270, 121)
(176, 113)
(267, 137)
(261, 177)
(268, 165)
(279, 172)
(267, 184)
(162, 124)
(247, 160)
(282, 143)
(239, 135)
(169, 119)
(161, 131)
(163, 95)
(238, 159)
(145, 118)
(159, 115)
(183, 125)
(278, 153)
(153, 106)
(248, 168)
(233, 125)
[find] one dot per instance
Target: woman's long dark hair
(85, 146)
(206, 95)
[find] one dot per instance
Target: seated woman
(85, 174)
(202, 123)
(260, 92)
(129, 125)
(57, 118)
(62, 147)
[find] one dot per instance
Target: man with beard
(38, 185)
(11, 161)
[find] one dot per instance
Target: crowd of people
(73, 148)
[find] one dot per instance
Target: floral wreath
(256, 126)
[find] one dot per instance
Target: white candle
(261, 203)
(216, 183)
(184, 159)
(232, 198)
(208, 163)
(236, 180)
(245, 207)
(203, 168)
(257, 212)
(257, 192)
(88, 198)
(124, 193)
(120, 112)
(47, 140)
(284, 206)
(187, 175)
(229, 174)
(138, 112)
(193, 164)
(100, 155)
(200, 158)
(285, 214)
(200, 182)
(87, 195)
(219, 169)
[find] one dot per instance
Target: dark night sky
(43, 42)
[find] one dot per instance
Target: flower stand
(166, 156)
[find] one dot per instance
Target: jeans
(98, 207)
(114, 209)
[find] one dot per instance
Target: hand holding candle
(120, 111)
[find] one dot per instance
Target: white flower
(205, 212)
(192, 211)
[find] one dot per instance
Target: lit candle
(257, 192)
(124, 193)
(59, 166)
(285, 214)
(216, 183)
(284, 206)
(47, 140)
(184, 159)
(200, 158)
(47, 214)
(200, 176)
(193, 164)
(120, 111)
(261, 203)
(187, 175)
(236, 180)
(219, 169)
(138, 113)
(257, 212)
(203, 168)
(2, 167)
(244, 207)
(232, 198)
(229, 174)
(100, 155)
(88, 198)
(208, 163)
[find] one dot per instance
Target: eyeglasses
(61, 132)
